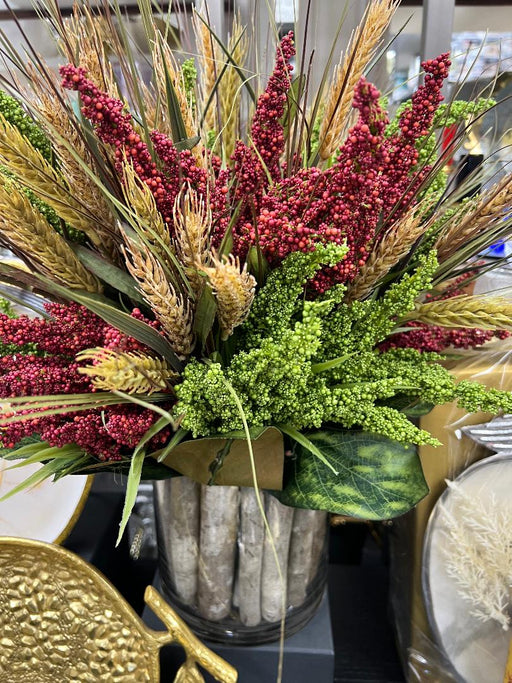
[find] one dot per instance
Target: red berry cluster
(175, 170)
(266, 129)
(105, 433)
(373, 179)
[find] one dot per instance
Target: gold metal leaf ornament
(61, 621)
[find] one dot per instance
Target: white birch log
(250, 557)
(320, 532)
(218, 537)
(280, 519)
(178, 504)
(308, 532)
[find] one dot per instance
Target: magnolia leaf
(194, 458)
(113, 276)
(378, 478)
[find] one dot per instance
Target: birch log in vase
(250, 549)
(180, 496)
(307, 539)
(319, 524)
(217, 550)
(280, 520)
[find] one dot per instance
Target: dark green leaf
(189, 143)
(113, 276)
(293, 97)
(205, 314)
(178, 128)
(378, 478)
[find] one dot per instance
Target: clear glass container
(218, 567)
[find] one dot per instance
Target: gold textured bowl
(61, 621)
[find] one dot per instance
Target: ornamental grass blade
(125, 323)
(151, 432)
(308, 445)
(46, 452)
(45, 472)
(112, 275)
(378, 478)
(178, 128)
(132, 486)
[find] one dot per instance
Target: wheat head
(482, 312)
(170, 308)
(234, 291)
(486, 211)
(133, 373)
(26, 229)
(361, 48)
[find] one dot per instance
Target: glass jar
(218, 567)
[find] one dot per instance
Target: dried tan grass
(133, 373)
(234, 290)
(486, 211)
(230, 91)
(163, 60)
(192, 223)
(170, 308)
(86, 36)
(361, 49)
(207, 58)
(30, 233)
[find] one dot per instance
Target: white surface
(478, 650)
(42, 512)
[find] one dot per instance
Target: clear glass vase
(218, 568)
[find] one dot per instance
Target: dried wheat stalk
(25, 162)
(61, 130)
(362, 47)
(140, 199)
(491, 207)
(25, 228)
(394, 245)
(192, 224)
(170, 309)
(233, 289)
(133, 373)
(163, 60)
(483, 312)
(229, 89)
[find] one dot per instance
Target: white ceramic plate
(477, 650)
(46, 512)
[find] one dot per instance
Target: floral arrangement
(213, 275)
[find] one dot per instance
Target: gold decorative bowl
(61, 621)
